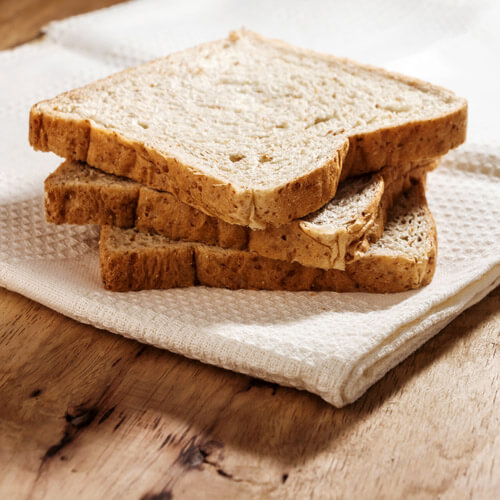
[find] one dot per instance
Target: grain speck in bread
(250, 130)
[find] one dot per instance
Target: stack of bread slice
(249, 163)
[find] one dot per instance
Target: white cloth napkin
(334, 345)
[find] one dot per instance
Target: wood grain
(98, 416)
(88, 414)
(21, 20)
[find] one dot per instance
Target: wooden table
(88, 414)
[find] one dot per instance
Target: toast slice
(250, 130)
(78, 194)
(403, 258)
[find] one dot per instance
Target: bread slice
(250, 130)
(76, 193)
(404, 258)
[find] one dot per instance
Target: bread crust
(89, 202)
(396, 146)
(250, 206)
(144, 268)
(162, 213)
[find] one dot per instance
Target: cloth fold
(334, 345)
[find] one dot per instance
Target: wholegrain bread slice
(76, 193)
(403, 258)
(250, 130)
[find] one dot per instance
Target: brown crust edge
(144, 269)
(415, 141)
(89, 203)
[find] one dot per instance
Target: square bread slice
(78, 194)
(403, 258)
(248, 129)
